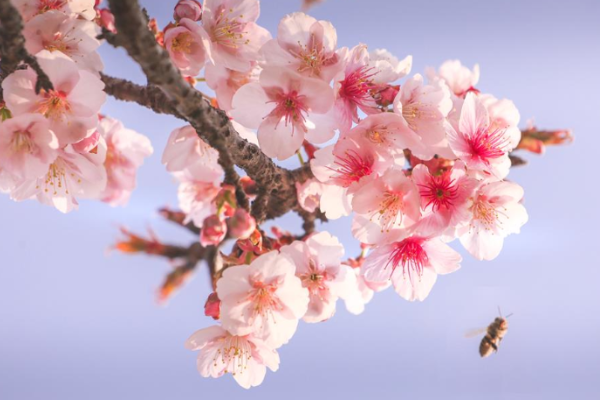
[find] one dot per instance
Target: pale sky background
(78, 324)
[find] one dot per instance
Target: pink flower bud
(213, 231)
(225, 201)
(87, 144)
(241, 224)
(190, 9)
(106, 20)
(212, 307)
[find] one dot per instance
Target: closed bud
(106, 20)
(213, 231)
(212, 307)
(190, 9)
(241, 224)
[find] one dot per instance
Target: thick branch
(12, 46)
(212, 124)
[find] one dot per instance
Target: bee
(494, 334)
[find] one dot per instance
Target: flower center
(410, 255)
(235, 353)
(357, 86)
(390, 206)
(291, 108)
(488, 143)
(182, 43)
(21, 142)
(264, 299)
(56, 179)
(48, 5)
(313, 57)
(351, 167)
(439, 192)
(315, 281)
(485, 213)
(229, 31)
(412, 112)
(54, 104)
(58, 43)
(380, 135)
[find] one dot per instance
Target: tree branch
(212, 124)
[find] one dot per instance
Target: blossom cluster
(417, 163)
(55, 146)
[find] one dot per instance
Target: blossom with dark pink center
(285, 108)
(479, 145)
(411, 264)
(443, 197)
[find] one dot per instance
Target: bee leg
(494, 346)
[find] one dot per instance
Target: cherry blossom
(188, 45)
(196, 198)
(306, 46)
(411, 264)
(388, 67)
(71, 107)
(385, 207)
(56, 31)
(423, 109)
(481, 146)
(495, 212)
(264, 297)
(126, 150)
(459, 78)
(27, 146)
(235, 37)
(190, 9)
(282, 105)
(245, 357)
(225, 82)
(318, 265)
(443, 198)
(31, 8)
(187, 153)
(70, 176)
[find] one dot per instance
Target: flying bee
(494, 334)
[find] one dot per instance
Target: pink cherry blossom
(27, 146)
(245, 357)
(31, 8)
(56, 31)
(385, 206)
(185, 152)
(459, 78)
(264, 297)
(412, 265)
(354, 87)
(351, 159)
(188, 9)
(388, 135)
(196, 198)
(70, 176)
(283, 106)
(423, 109)
(503, 115)
(188, 45)
(479, 145)
(495, 212)
(357, 293)
(71, 107)
(309, 194)
(126, 150)
(7, 182)
(318, 265)
(389, 68)
(225, 82)
(306, 46)
(443, 198)
(235, 37)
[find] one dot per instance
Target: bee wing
(475, 332)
